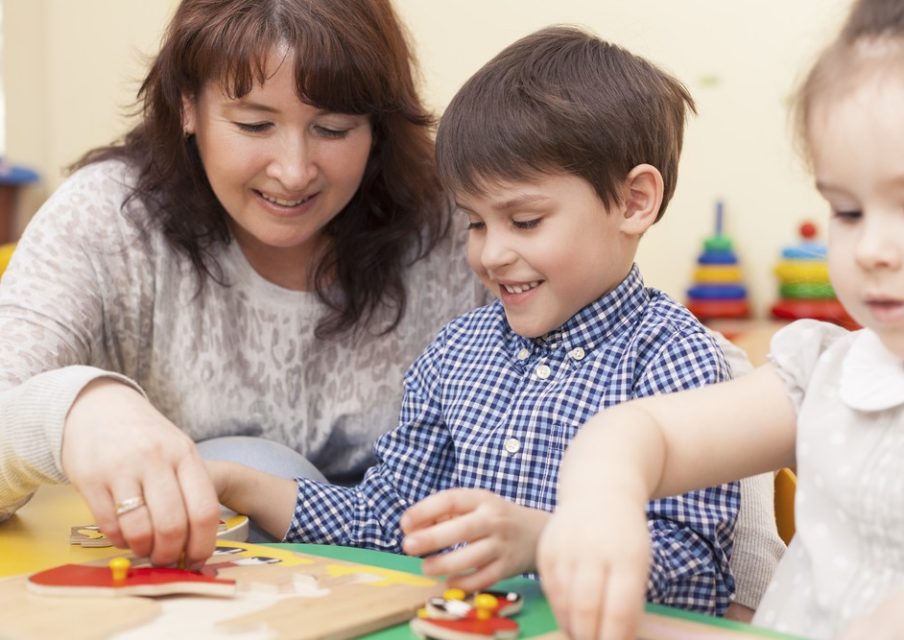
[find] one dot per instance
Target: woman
(264, 254)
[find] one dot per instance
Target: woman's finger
(202, 507)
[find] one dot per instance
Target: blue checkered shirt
(487, 408)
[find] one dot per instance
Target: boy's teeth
(520, 288)
(283, 203)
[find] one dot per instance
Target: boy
(561, 152)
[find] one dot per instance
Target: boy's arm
(594, 554)
(413, 460)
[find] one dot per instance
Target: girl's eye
(254, 127)
(474, 225)
(328, 132)
(847, 216)
(526, 224)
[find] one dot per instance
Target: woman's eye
(329, 132)
(526, 224)
(254, 127)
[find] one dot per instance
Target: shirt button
(512, 445)
(522, 355)
(543, 371)
(577, 353)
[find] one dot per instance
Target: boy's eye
(254, 127)
(526, 224)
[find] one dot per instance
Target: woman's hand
(124, 456)
(500, 536)
(593, 568)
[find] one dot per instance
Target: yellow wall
(71, 65)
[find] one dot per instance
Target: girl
(830, 402)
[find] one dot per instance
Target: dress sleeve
(414, 460)
(691, 534)
(795, 349)
(51, 319)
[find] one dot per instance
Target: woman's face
(281, 168)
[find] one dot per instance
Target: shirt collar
(598, 321)
(872, 378)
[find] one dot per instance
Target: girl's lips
(886, 310)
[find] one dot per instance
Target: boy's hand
(594, 567)
(501, 536)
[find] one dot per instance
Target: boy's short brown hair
(562, 100)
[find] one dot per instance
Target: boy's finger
(461, 560)
(448, 533)
(439, 506)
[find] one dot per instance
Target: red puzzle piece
(86, 580)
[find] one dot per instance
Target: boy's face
(546, 247)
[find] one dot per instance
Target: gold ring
(129, 504)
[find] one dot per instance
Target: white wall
(70, 66)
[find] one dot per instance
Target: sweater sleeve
(52, 314)
(31, 417)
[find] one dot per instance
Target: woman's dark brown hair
(351, 56)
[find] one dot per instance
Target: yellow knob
(454, 594)
(119, 567)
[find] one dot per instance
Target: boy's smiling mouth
(520, 288)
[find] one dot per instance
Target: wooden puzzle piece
(231, 526)
(455, 603)
(279, 594)
(465, 629)
(121, 579)
(456, 617)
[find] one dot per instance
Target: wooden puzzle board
(281, 595)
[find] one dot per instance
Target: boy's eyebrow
(515, 202)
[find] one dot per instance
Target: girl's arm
(594, 554)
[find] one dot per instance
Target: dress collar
(872, 378)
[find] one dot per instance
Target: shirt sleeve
(691, 534)
(413, 460)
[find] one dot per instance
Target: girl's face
(281, 168)
(857, 143)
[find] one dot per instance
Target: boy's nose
(496, 252)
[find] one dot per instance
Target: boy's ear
(188, 115)
(642, 197)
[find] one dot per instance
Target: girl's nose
(878, 245)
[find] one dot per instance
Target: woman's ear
(642, 197)
(188, 115)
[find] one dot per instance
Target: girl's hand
(885, 622)
(500, 536)
(118, 451)
(594, 567)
